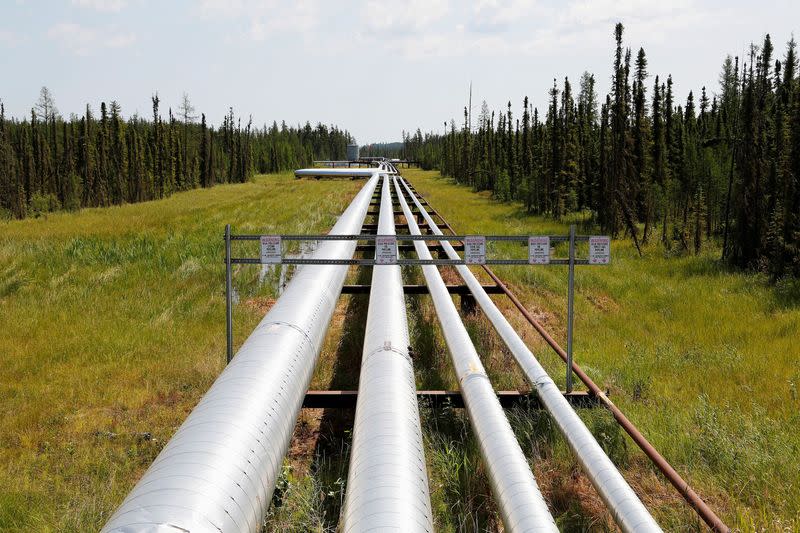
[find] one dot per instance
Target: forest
(721, 167)
(48, 163)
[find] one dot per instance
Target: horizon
(226, 54)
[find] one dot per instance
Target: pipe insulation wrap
(218, 472)
(623, 503)
(521, 505)
(387, 486)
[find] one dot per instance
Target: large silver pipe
(387, 486)
(337, 172)
(623, 503)
(218, 472)
(521, 505)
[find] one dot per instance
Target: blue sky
(373, 67)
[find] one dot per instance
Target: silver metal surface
(521, 505)
(387, 486)
(626, 508)
(344, 172)
(218, 472)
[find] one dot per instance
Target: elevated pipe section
(218, 472)
(343, 172)
(623, 503)
(521, 505)
(387, 486)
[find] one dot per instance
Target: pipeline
(387, 486)
(522, 506)
(684, 489)
(345, 172)
(626, 508)
(218, 472)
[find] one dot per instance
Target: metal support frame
(423, 289)
(347, 399)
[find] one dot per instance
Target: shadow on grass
(786, 294)
(332, 452)
(462, 500)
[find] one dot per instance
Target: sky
(375, 67)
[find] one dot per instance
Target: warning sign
(386, 250)
(475, 249)
(270, 249)
(599, 250)
(539, 250)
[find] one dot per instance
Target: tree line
(722, 167)
(48, 162)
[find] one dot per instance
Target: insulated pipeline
(686, 491)
(521, 504)
(626, 508)
(387, 487)
(218, 472)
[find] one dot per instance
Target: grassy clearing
(112, 327)
(704, 360)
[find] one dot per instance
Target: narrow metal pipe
(387, 486)
(218, 471)
(684, 489)
(521, 505)
(626, 508)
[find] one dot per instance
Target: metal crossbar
(401, 262)
(401, 237)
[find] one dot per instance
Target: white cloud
(424, 30)
(83, 41)
(591, 12)
(492, 16)
(101, 5)
(9, 38)
(265, 17)
(406, 17)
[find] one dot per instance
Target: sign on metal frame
(599, 250)
(475, 250)
(385, 250)
(270, 249)
(539, 250)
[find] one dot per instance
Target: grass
(112, 328)
(703, 359)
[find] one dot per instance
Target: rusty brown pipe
(691, 497)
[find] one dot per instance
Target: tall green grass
(112, 327)
(705, 360)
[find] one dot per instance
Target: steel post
(228, 296)
(570, 304)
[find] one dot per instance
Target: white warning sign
(475, 249)
(385, 250)
(599, 250)
(539, 250)
(270, 249)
